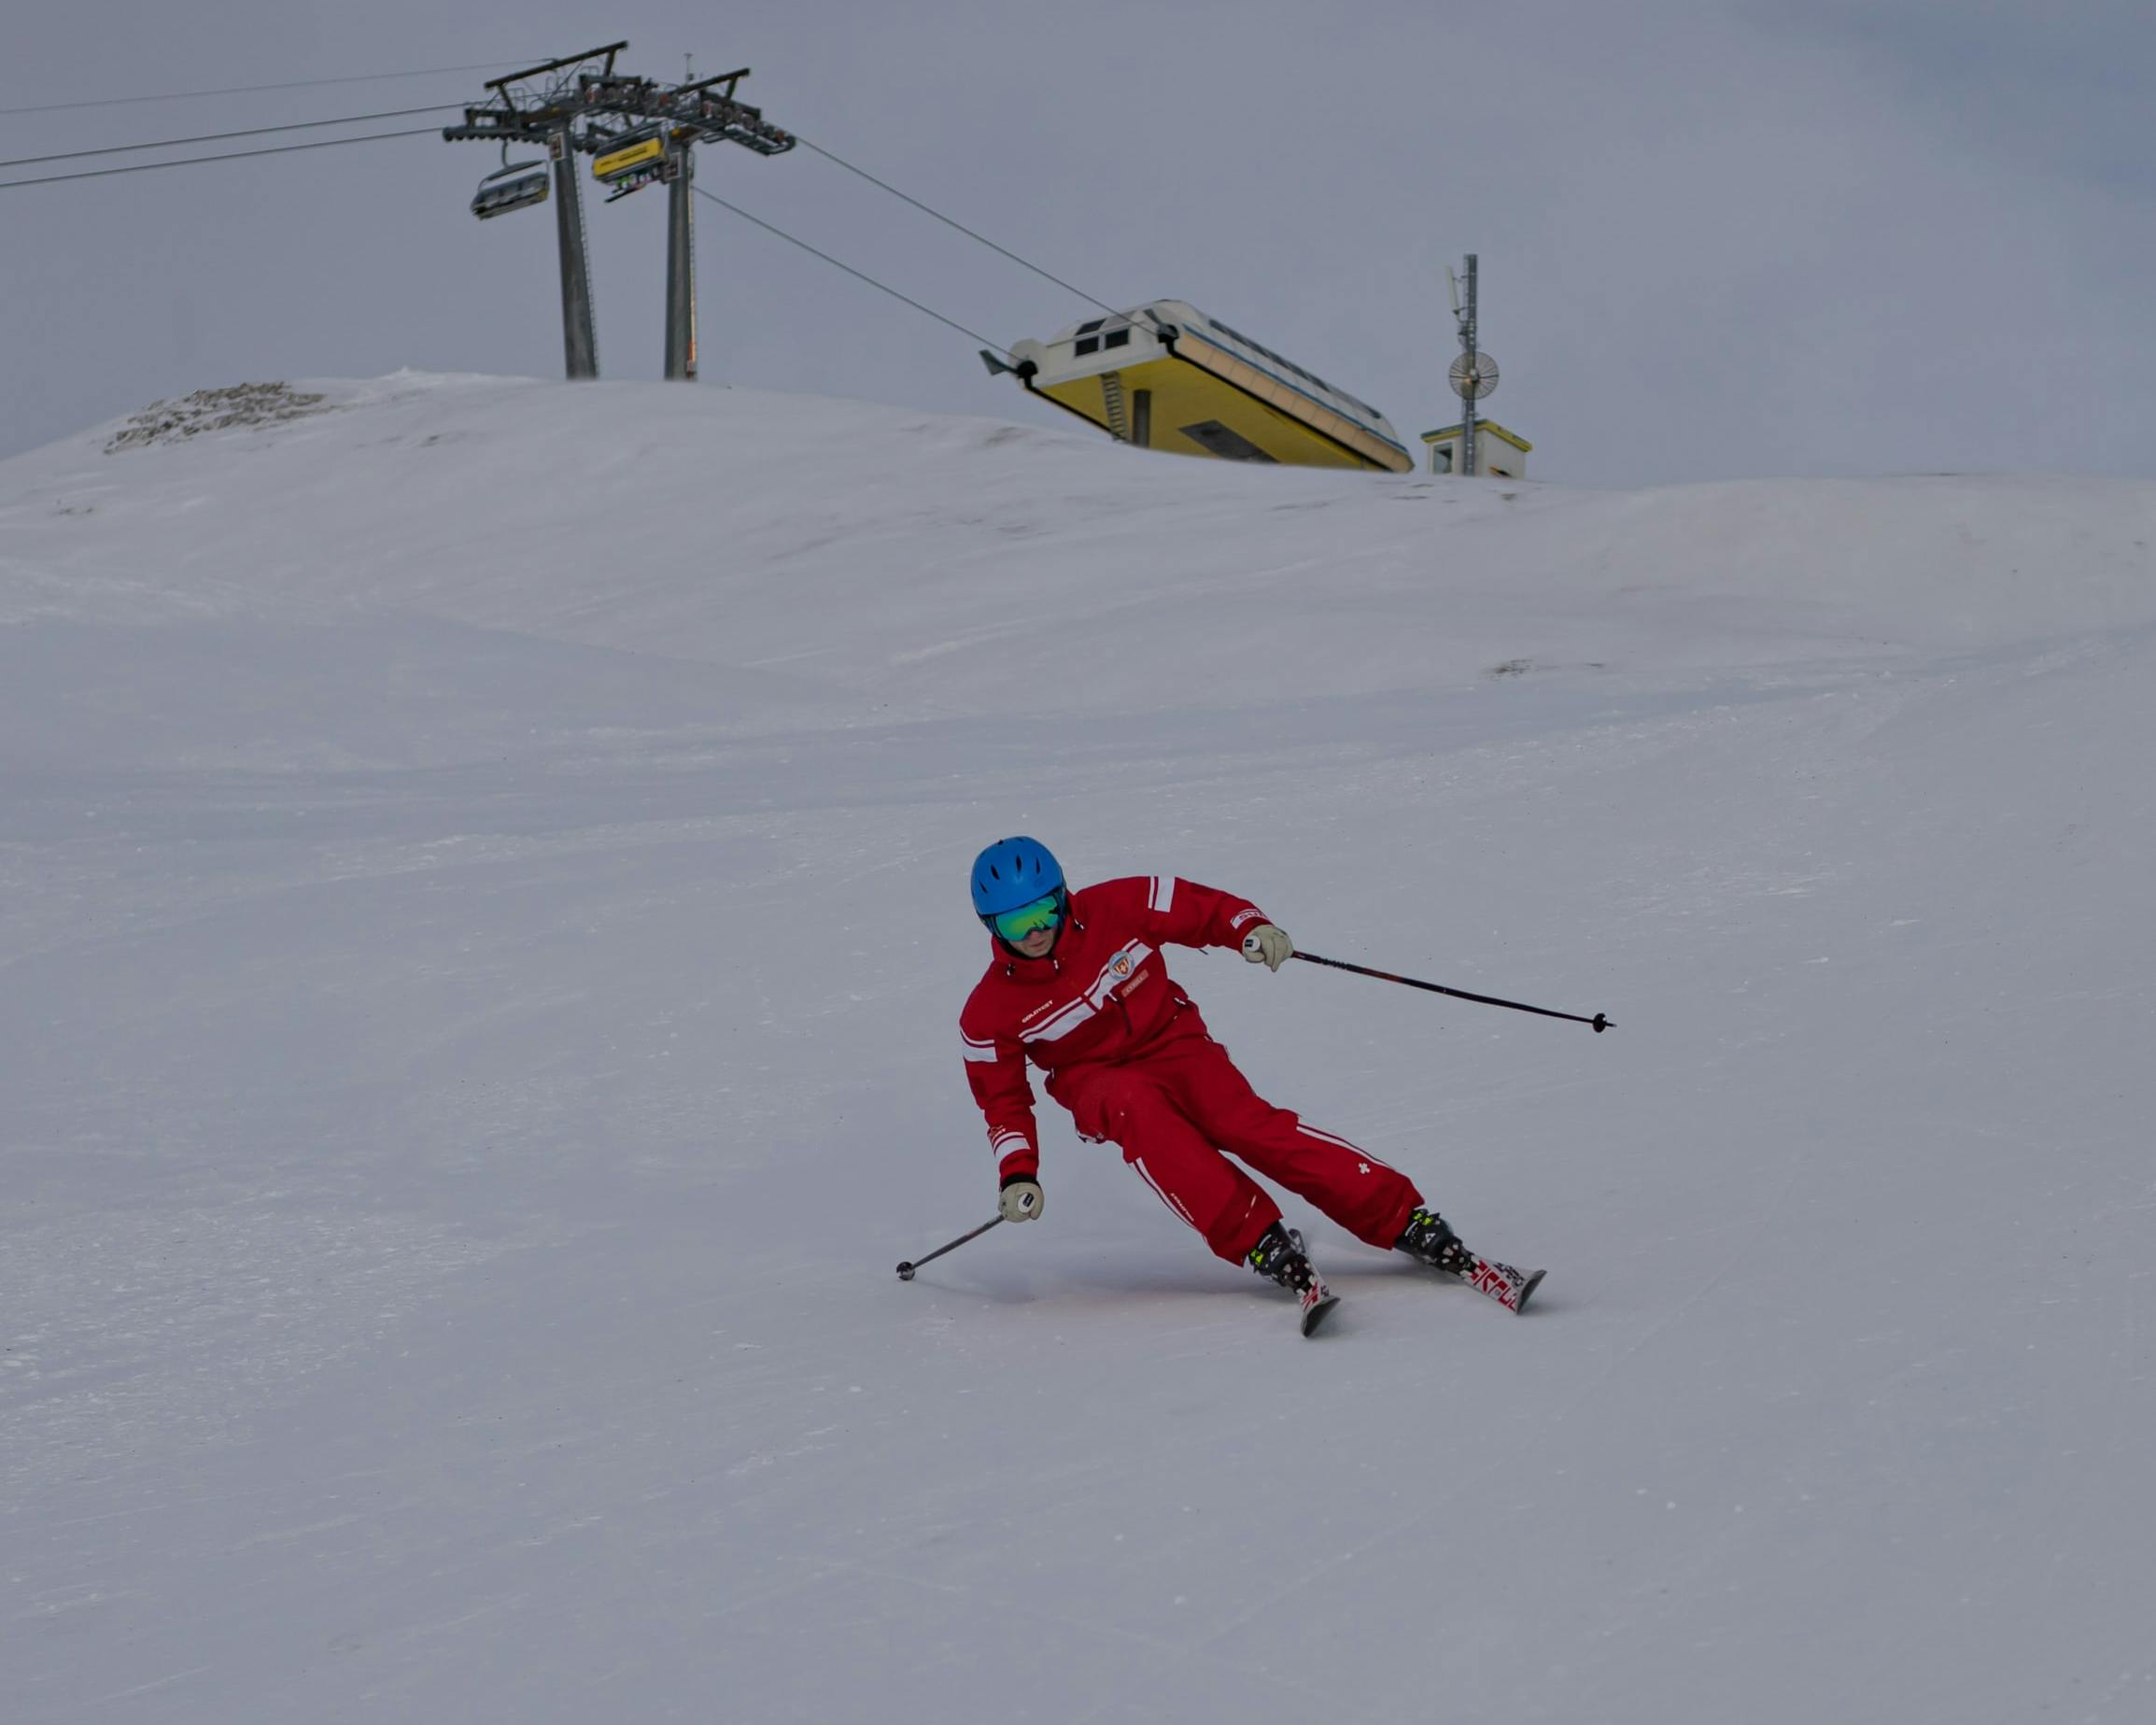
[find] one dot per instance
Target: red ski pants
(1178, 1107)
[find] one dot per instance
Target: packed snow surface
(483, 930)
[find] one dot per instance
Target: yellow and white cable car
(1164, 375)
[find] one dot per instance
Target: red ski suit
(1126, 1052)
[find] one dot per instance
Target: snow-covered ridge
(868, 546)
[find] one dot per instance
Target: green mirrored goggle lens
(1014, 926)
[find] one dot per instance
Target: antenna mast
(1473, 374)
(1467, 338)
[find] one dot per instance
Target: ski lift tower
(541, 106)
(659, 126)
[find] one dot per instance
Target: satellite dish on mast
(1473, 376)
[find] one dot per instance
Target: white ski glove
(1021, 1199)
(1268, 946)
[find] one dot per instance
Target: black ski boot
(1428, 1239)
(1280, 1255)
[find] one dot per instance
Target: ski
(1509, 1288)
(1317, 1300)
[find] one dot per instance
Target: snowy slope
(482, 936)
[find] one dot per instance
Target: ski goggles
(1014, 926)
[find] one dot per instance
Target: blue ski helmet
(1013, 872)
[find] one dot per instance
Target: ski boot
(1280, 1255)
(1428, 1239)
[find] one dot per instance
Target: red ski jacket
(1102, 997)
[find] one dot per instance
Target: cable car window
(1116, 338)
(1087, 344)
(1215, 439)
(1087, 329)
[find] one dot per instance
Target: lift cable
(857, 275)
(144, 167)
(983, 239)
(217, 138)
(248, 89)
(230, 155)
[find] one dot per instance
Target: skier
(1078, 985)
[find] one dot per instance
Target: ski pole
(1599, 1023)
(906, 1270)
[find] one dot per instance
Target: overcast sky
(1717, 238)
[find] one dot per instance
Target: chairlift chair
(515, 185)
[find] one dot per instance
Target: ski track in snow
(132, 1334)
